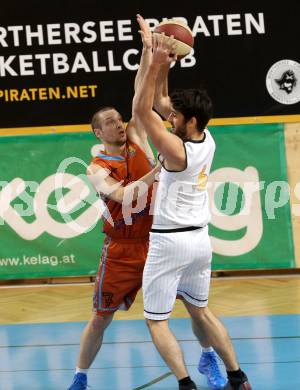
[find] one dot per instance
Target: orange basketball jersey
(128, 168)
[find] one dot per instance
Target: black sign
(62, 60)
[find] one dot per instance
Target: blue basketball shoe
(79, 382)
(208, 366)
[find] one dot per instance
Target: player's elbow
(158, 107)
(163, 107)
(176, 158)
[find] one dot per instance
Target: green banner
(49, 214)
(39, 236)
(251, 221)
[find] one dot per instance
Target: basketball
(181, 32)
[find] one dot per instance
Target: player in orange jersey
(120, 173)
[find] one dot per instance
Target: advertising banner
(62, 60)
(49, 214)
(250, 199)
(40, 236)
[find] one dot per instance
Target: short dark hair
(193, 103)
(95, 122)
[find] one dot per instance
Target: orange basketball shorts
(120, 274)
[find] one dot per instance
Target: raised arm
(162, 102)
(168, 144)
(146, 56)
(135, 129)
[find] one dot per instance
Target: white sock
(81, 370)
(208, 349)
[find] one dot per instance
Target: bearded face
(178, 123)
(181, 131)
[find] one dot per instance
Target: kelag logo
(249, 216)
(242, 203)
(48, 209)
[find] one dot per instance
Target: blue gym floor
(43, 356)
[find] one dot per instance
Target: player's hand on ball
(164, 49)
(181, 33)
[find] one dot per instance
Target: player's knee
(155, 324)
(100, 322)
(150, 323)
(199, 313)
(203, 312)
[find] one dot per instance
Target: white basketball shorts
(177, 264)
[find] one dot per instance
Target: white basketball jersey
(182, 198)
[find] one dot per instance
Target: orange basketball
(181, 32)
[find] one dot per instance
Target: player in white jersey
(179, 257)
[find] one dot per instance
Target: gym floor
(40, 353)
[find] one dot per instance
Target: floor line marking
(156, 380)
(142, 342)
(137, 367)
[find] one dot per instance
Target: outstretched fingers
(145, 31)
